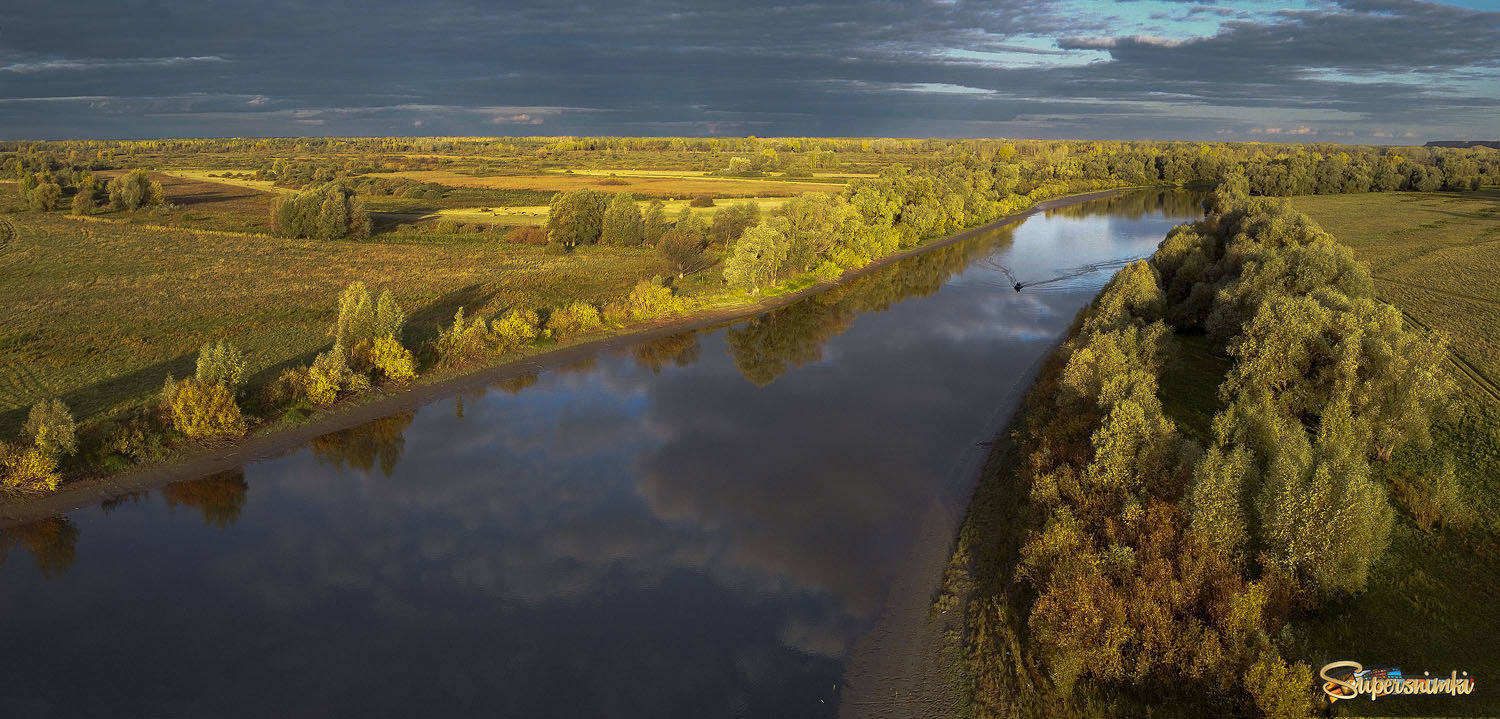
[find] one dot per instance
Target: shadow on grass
(90, 400)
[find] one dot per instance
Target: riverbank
(1008, 648)
(274, 439)
(910, 665)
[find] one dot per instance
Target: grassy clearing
(1189, 387)
(665, 187)
(100, 312)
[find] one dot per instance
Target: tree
(691, 226)
(46, 196)
(51, 429)
(326, 213)
(362, 320)
(221, 363)
(732, 221)
(622, 225)
(1322, 516)
(808, 223)
(681, 251)
(654, 224)
(1231, 191)
(83, 202)
(576, 218)
(758, 258)
(132, 191)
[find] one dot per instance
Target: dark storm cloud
(1014, 67)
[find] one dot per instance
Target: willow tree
(758, 259)
(576, 218)
(622, 225)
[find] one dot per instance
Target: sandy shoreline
(195, 462)
(899, 669)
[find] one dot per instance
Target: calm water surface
(699, 526)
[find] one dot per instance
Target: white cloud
(65, 64)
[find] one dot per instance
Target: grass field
(99, 312)
(664, 187)
(1435, 256)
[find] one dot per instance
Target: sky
(1366, 71)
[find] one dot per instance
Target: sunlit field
(97, 312)
(656, 186)
(1437, 257)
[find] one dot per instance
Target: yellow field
(831, 176)
(537, 214)
(655, 186)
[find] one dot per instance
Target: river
(703, 525)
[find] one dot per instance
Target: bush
(329, 375)
(137, 437)
(575, 319)
(828, 271)
(392, 360)
(1280, 691)
(463, 341)
(221, 363)
(320, 384)
(28, 468)
(527, 235)
(702, 201)
(516, 328)
(650, 299)
(1432, 496)
(51, 429)
(202, 410)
